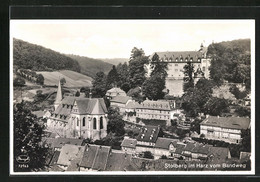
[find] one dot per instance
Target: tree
(153, 87)
(123, 73)
(216, 106)
(148, 155)
(62, 81)
(18, 82)
(188, 71)
(27, 139)
(237, 93)
(136, 94)
(112, 77)
(99, 85)
(115, 122)
(77, 94)
(137, 71)
(40, 79)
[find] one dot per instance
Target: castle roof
(180, 56)
(227, 122)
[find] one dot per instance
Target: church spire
(58, 96)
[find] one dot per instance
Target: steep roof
(119, 161)
(95, 157)
(59, 142)
(91, 106)
(69, 153)
(120, 99)
(176, 56)
(129, 142)
(227, 122)
(148, 133)
(156, 105)
(164, 143)
(116, 90)
(59, 94)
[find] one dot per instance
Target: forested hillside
(115, 61)
(90, 66)
(38, 58)
(231, 61)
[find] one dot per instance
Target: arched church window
(84, 121)
(77, 122)
(101, 122)
(95, 124)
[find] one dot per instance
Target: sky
(116, 38)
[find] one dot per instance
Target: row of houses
(149, 140)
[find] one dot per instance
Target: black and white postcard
(132, 97)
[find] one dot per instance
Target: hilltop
(38, 58)
(73, 79)
(90, 66)
(115, 61)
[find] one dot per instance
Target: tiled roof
(227, 122)
(218, 153)
(119, 162)
(148, 133)
(91, 106)
(59, 142)
(95, 157)
(148, 104)
(131, 104)
(164, 142)
(179, 148)
(120, 99)
(69, 153)
(177, 56)
(55, 158)
(129, 142)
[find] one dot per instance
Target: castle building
(76, 117)
(177, 60)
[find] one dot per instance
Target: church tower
(58, 96)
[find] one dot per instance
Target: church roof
(91, 106)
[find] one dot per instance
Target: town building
(227, 129)
(115, 91)
(158, 110)
(76, 117)
(120, 102)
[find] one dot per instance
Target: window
(203, 68)
(101, 122)
(77, 122)
(84, 122)
(176, 64)
(95, 124)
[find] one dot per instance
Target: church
(76, 117)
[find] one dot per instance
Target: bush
(18, 82)
(164, 157)
(148, 155)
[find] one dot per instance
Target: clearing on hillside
(73, 79)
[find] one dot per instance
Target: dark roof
(218, 153)
(95, 157)
(55, 158)
(179, 148)
(156, 105)
(227, 122)
(129, 142)
(59, 142)
(165, 142)
(120, 99)
(177, 56)
(119, 162)
(91, 106)
(69, 153)
(148, 133)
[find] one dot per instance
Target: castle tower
(198, 75)
(58, 96)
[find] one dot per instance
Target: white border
(252, 37)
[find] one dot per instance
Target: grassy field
(73, 79)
